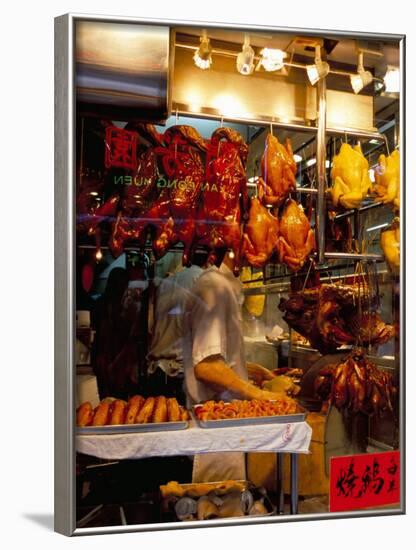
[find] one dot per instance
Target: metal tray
(133, 428)
(253, 421)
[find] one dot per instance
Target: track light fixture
(202, 56)
(363, 78)
(320, 68)
(245, 59)
(272, 60)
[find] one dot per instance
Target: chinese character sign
(364, 481)
(120, 148)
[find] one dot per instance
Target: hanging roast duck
(224, 196)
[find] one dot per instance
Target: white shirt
(166, 348)
(214, 328)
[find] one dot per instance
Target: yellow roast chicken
(387, 179)
(390, 244)
(297, 239)
(350, 178)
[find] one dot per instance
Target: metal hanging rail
(292, 126)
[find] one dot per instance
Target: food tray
(133, 428)
(255, 420)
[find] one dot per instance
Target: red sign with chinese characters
(120, 148)
(364, 481)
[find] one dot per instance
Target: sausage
(160, 413)
(174, 413)
(134, 405)
(118, 412)
(85, 414)
(101, 414)
(145, 414)
(184, 414)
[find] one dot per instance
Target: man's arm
(214, 371)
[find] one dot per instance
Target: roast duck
(331, 315)
(350, 178)
(136, 198)
(278, 171)
(387, 179)
(356, 384)
(224, 196)
(173, 214)
(93, 204)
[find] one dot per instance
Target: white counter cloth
(286, 438)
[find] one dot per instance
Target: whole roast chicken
(224, 196)
(278, 170)
(332, 315)
(261, 232)
(390, 244)
(350, 177)
(297, 239)
(387, 179)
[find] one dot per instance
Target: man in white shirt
(214, 359)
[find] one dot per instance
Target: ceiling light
(310, 162)
(363, 78)
(94, 193)
(272, 60)
(297, 158)
(319, 70)
(245, 59)
(392, 80)
(202, 56)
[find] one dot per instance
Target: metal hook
(271, 128)
(346, 137)
(176, 116)
(222, 121)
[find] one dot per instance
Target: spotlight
(245, 59)
(363, 78)
(272, 60)
(392, 80)
(202, 56)
(319, 70)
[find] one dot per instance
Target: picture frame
(66, 111)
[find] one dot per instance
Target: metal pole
(321, 171)
(293, 483)
(279, 483)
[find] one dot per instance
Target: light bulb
(98, 255)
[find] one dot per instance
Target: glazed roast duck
(331, 315)
(356, 384)
(224, 199)
(135, 199)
